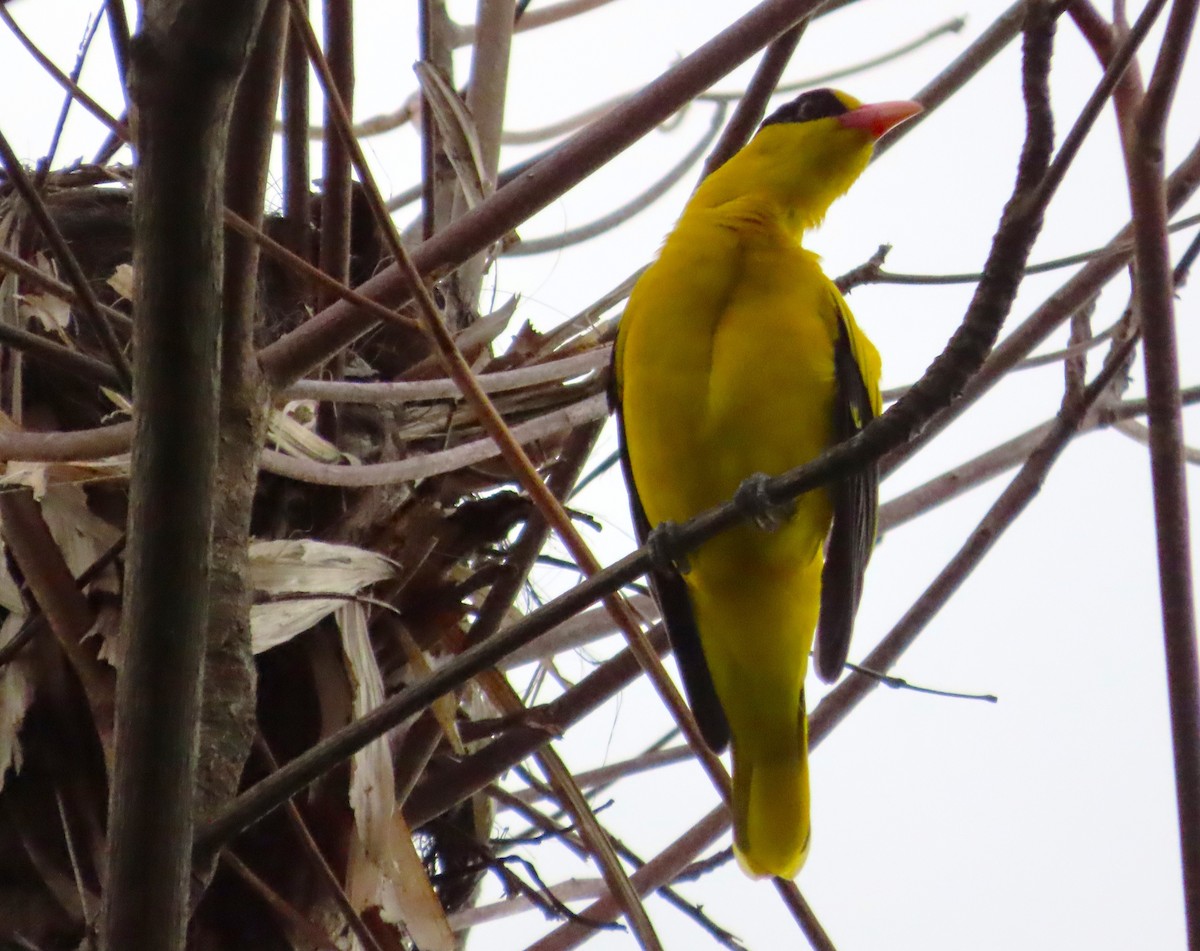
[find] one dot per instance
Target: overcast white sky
(1044, 821)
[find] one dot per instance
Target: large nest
(364, 576)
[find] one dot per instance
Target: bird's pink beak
(877, 118)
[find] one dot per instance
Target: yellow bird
(736, 355)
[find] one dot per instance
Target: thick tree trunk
(186, 62)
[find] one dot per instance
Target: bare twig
(1057, 308)
(965, 67)
(56, 355)
(67, 611)
(310, 847)
(60, 77)
(954, 25)
(89, 305)
(1154, 297)
(640, 202)
(295, 143)
(649, 878)
(1015, 498)
(753, 104)
(292, 920)
(51, 285)
(411, 391)
(45, 163)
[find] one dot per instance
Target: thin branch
(899, 683)
(310, 848)
(649, 878)
(818, 939)
(334, 250)
(572, 800)
(1002, 31)
(632, 207)
(413, 391)
(720, 936)
(434, 463)
(28, 540)
(838, 703)
(594, 779)
(56, 355)
(62, 78)
(1140, 433)
(44, 164)
(538, 17)
(76, 446)
(954, 25)
(752, 105)
(1154, 300)
(336, 200)
(1160, 91)
(296, 174)
(89, 305)
(48, 283)
(556, 129)
(314, 276)
(434, 52)
(1057, 308)
(487, 85)
(291, 919)
(1073, 351)
(1114, 70)
(118, 25)
(1082, 257)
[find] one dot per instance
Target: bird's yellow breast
(726, 363)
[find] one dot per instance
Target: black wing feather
(855, 505)
(670, 591)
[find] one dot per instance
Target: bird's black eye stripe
(818, 104)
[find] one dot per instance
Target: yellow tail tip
(769, 863)
(771, 828)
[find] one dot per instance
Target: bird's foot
(665, 549)
(752, 498)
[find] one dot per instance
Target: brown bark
(185, 68)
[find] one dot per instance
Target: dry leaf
(81, 536)
(372, 783)
(53, 313)
(385, 870)
(457, 126)
(304, 566)
(39, 476)
(293, 431)
(16, 694)
(122, 281)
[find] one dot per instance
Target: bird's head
(808, 153)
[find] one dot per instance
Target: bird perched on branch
(736, 355)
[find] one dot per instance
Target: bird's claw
(752, 498)
(665, 552)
